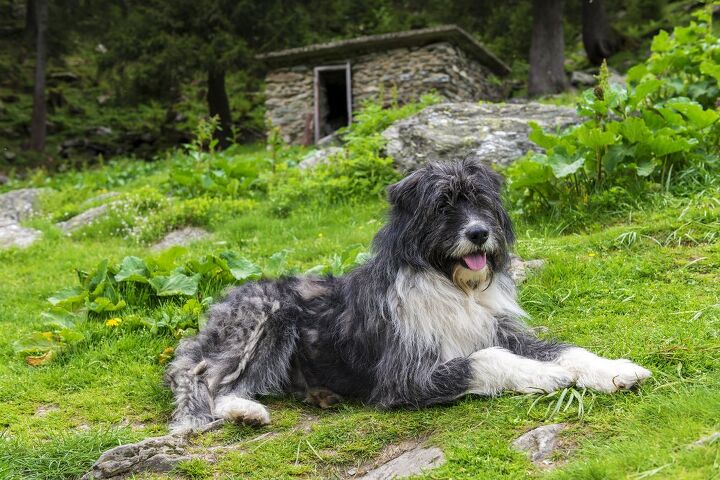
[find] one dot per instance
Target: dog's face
(449, 216)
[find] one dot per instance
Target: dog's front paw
(612, 375)
(600, 373)
(545, 378)
(241, 410)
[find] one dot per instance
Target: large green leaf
(133, 269)
(562, 164)
(241, 268)
(175, 284)
(167, 260)
(712, 69)
(616, 155)
(276, 263)
(540, 138)
(646, 167)
(694, 112)
(635, 130)
(68, 298)
(661, 42)
(104, 304)
(594, 138)
(58, 319)
(663, 144)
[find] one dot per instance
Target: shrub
(360, 172)
(661, 129)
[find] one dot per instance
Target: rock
(155, 454)
(317, 157)
(412, 462)
(100, 48)
(495, 133)
(83, 219)
(539, 443)
(14, 235)
(19, 204)
(519, 268)
(184, 236)
(102, 99)
(43, 410)
(9, 155)
(3, 179)
(582, 79)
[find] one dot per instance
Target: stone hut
(312, 91)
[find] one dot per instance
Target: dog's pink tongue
(476, 261)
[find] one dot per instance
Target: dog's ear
(405, 193)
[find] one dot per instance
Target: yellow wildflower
(113, 322)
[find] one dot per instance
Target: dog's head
(450, 217)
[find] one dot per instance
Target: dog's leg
(589, 369)
(497, 369)
(603, 374)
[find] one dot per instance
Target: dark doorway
(333, 99)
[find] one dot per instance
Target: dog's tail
(193, 401)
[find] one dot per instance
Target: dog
(430, 317)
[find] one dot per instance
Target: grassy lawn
(644, 286)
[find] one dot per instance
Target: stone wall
(412, 72)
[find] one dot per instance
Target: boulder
(19, 204)
(14, 235)
(495, 133)
(83, 219)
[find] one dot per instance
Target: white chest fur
(430, 311)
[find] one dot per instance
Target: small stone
(352, 472)
(519, 269)
(9, 155)
(184, 236)
(4, 179)
(43, 410)
(317, 157)
(539, 443)
(708, 440)
(412, 462)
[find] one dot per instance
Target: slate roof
(343, 49)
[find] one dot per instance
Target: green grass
(641, 285)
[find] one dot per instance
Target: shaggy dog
(432, 316)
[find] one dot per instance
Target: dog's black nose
(477, 235)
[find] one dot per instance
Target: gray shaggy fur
(354, 335)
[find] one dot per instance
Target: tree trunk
(39, 114)
(219, 105)
(547, 49)
(598, 39)
(30, 21)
